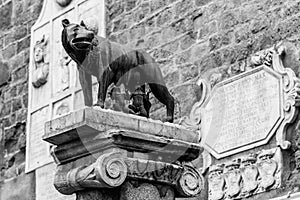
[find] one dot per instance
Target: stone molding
(112, 169)
(89, 131)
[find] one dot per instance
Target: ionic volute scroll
(108, 171)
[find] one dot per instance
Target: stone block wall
(203, 38)
(16, 20)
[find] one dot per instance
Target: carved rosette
(255, 174)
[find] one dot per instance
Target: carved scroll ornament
(191, 182)
(111, 170)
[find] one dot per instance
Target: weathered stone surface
(146, 191)
(102, 120)
(4, 73)
(5, 16)
(23, 44)
(21, 187)
(9, 51)
(97, 194)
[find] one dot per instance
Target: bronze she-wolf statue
(112, 63)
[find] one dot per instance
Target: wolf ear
(82, 23)
(65, 23)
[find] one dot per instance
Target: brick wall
(16, 19)
(203, 38)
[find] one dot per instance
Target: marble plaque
(45, 189)
(242, 111)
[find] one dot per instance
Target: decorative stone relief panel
(244, 177)
(52, 74)
(41, 62)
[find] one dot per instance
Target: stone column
(107, 155)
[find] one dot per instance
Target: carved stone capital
(108, 171)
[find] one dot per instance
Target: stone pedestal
(102, 154)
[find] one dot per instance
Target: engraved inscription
(242, 111)
(37, 148)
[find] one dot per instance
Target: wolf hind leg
(163, 95)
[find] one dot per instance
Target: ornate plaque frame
(270, 61)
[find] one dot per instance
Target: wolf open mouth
(81, 43)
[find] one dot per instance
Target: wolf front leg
(105, 81)
(85, 80)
